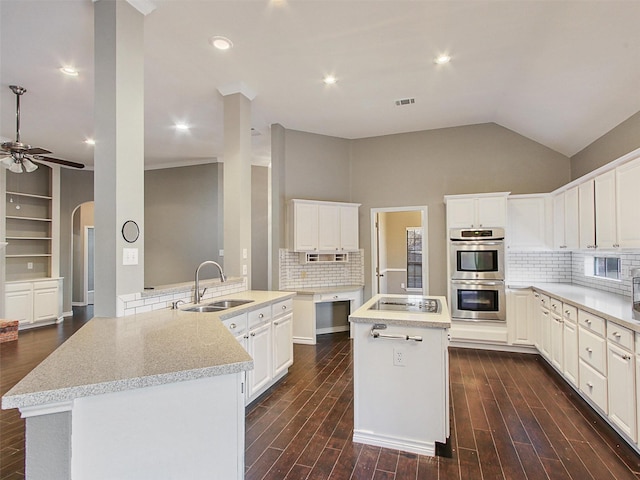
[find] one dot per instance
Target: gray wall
(420, 168)
(181, 218)
(76, 187)
(259, 228)
(612, 145)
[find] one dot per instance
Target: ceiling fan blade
(66, 163)
(36, 151)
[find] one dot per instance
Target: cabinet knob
(616, 245)
(275, 323)
(253, 334)
(284, 307)
(587, 321)
(246, 336)
(616, 334)
(589, 384)
(335, 296)
(261, 315)
(626, 357)
(232, 326)
(589, 350)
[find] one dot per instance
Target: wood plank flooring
(512, 417)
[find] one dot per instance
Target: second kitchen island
(401, 373)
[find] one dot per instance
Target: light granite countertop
(324, 290)
(409, 319)
(115, 354)
(613, 307)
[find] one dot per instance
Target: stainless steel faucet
(197, 295)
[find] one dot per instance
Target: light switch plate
(129, 256)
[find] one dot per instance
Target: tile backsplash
(294, 274)
(569, 267)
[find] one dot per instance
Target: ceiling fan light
(7, 161)
(29, 166)
(16, 167)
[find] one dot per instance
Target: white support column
(237, 183)
(119, 149)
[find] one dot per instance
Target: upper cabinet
(628, 204)
(605, 210)
(527, 222)
(476, 211)
(323, 226)
(586, 208)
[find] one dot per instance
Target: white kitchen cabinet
(621, 385)
(519, 310)
(33, 303)
(605, 210)
(259, 346)
(627, 202)
(544, 319)
(557, 346)
(282, 343)
(571, 219)
(558, 221)
(324, 226)
(526, 227)
(481, 211)
(570, 351)
(587, 225)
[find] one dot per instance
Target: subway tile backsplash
(294, 274)
(569, 267)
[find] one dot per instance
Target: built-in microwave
(477, 254)
(478, 300)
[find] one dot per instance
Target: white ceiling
(562, 73)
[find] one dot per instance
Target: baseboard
(496, 348)
(394, 443)
(304, 340)
(79, 304)
(341, 328)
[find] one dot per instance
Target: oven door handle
(477, 282)
(476, 243)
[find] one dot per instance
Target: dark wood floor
(512, 417)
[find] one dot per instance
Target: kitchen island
(401, 373)
(154, 395)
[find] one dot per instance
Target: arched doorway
(82, 254)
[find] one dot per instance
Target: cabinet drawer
(281, 308)
(591, 322)
(45, 284)
(593, 349)
(555, 306)
(570, 313)
(620, 336)
(236, 325)
(260, 315)
(542, 299)
(17, 287)
(594, 385)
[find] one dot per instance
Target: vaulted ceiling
(561, 73)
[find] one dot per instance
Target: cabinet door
(627, 202)
(571, 219)
(492, 212)
(305, 224)
(570, 352)
(461, 213)
(349, 240)
(282, 344)
(526, 223)
(259, 347)
(19, 305)
(558, 222)
(556, 342)
(605, 208)
(545, 332)
(45, 303)
(586, 209)
(328, 228)
(518, 312)
(621, 384)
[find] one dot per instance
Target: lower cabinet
(33, 303)
(266, 333)
(260, 348)
(556, 331)
(570, 348)
(621, 379)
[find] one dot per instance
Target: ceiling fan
(22, 157)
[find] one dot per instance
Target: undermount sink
(228, 303)
(216, 306)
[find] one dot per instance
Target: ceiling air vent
(405, 101)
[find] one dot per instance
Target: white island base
(401, 387)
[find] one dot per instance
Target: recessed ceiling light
(72, 72)
(330, 80)
(182, 127)
(90, 141)
(221, 43)
(442, 59)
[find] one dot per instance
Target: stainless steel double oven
(477, 274)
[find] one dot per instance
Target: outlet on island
(399, 357)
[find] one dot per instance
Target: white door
(621, 382)
(399, 250)
(259, 347)
(282, 344)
